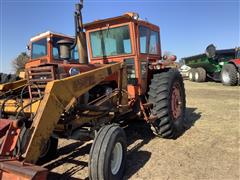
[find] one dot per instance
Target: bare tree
(19, 62)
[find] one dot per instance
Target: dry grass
(209, 148)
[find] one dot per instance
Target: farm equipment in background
(184, 70)
(67, 95)
(218, 65)
(5, 78)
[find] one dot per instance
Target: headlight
(73, 71)
(135, 16)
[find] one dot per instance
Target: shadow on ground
(73, 150)
(191, 117)
(138, 132)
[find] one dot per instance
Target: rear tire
(229, 75)
(191, 74)
(167, 94)
(200, 75)
(108, 154)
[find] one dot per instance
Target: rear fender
(236, 62)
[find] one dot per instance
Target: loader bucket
(12, 169)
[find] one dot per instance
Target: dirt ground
(208, 149)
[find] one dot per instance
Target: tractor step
(13, 169)
(148, 105)
(152, 118)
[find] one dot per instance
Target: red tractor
(70, 95)
(128, 39)
(230, 74)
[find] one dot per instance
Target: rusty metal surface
(12, 169)
(82, 48)
(38, 77)
(11, 134)
(13, 85)
(58, 94)
(4, 125)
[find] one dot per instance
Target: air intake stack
(80, 39)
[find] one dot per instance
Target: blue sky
(187, 27)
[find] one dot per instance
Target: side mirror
(211, 51)
(28, 47)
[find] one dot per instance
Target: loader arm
(58, 95)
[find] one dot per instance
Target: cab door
(149, 50)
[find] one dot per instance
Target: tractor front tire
(229, 75)
(167, 94)
(200, 75)
(108, 154)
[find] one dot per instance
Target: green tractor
(217, 65)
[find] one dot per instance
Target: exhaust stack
(80, 36)
(65, 46)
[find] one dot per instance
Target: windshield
(74, 53)
(39, 48)
(111, 42)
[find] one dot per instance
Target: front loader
(68, 94)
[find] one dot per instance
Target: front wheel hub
(225, 76)
(117, 156)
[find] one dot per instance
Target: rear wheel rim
(176, 102)
(190, 76)
(117, 156)
(196, 76)
(225, 77)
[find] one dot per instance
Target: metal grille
(38, 77)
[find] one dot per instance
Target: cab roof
(127, 17)
(48, 33)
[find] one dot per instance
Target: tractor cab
(124, 38)
(45, 56)
(127, 39)
(47, 63)
(44, 48)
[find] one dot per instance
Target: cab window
(39, 48)
(111, 42)
(143, 33)
(149, 40)
(55, 53)
(153, 43)
(75, 54)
